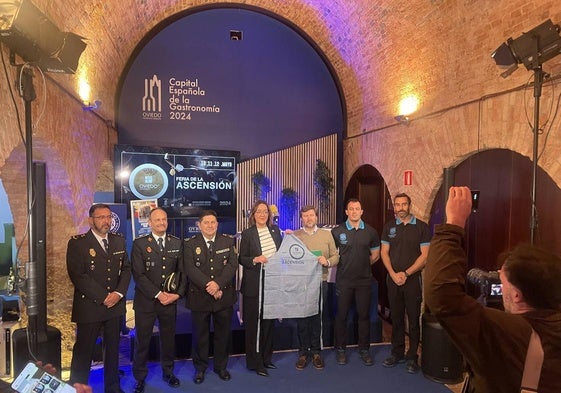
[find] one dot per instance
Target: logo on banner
(148, 181)
(115, 223)
(152, 99)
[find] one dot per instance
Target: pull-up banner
(292, 282)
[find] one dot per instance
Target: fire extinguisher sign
(408, 178)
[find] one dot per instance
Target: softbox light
(36, 39)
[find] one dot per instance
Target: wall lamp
(532, 49)
(407, 106)
(32, 36)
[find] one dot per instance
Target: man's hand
(323, 261)
(399, 278)
(212, 288)
(111, 299)
(166, 298)
(458, 207)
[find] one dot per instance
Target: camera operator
(495, 343)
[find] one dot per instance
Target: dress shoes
(171, 380)
(223, 374)
(139, 387)
(270, 365)
(392, 361)
(262, 372)
(199, 377)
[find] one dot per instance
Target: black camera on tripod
(488, 283)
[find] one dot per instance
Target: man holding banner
(321, 244)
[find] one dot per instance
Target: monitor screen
(184, 181)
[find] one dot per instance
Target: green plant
(261, 185)
(323, 183)
(288, 204)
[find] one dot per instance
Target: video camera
(489, 284)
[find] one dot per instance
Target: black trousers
(144, 324)
(309, 328)
(405, 298)
(257, 356)
(82, 353)
(221, 320)
(362, 297)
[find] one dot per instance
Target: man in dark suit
(99, 268)
(211, 263)
(154, 258)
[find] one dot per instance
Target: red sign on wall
(408, 178)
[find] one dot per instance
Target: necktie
(106, 246)
(210, 246)
(161, 244)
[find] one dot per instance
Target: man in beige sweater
(321, 243)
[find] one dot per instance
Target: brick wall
(380, 51)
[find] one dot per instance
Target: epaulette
(192, 237)
(172, 236)
(227, 235)
(81, 235)
(143, 236)
(117, 234)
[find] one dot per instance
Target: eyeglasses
(101, 217)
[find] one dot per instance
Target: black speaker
(47, 351)
(441, 360)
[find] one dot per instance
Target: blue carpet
(353, 377)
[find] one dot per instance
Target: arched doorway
(7, 240)
(368, 185)
(502, 221)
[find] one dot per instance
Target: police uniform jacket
(150, 267)
(202, 267)
(95, 274)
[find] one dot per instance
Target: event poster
(140, 213)
(183, 181)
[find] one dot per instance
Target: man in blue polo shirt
(359, 248)
(405, 246)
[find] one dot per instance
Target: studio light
(532, 49)
(32, 36)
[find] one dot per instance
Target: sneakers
(341, 357)
(317, 361)
(393, 360)
(412, 366)
(302, 362)
(365, 357)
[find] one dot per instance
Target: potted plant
(288, 205)
(323, 184)
(261, 185)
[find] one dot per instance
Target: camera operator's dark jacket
(493, 342)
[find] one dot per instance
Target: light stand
(532, 49)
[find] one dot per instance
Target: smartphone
(33, 379)
(474, 200)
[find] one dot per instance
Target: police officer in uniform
(211, 263)
(99, 268)
(154, 258)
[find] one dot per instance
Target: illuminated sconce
(407, 106)
(84, 91)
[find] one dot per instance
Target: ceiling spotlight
(532, 49)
